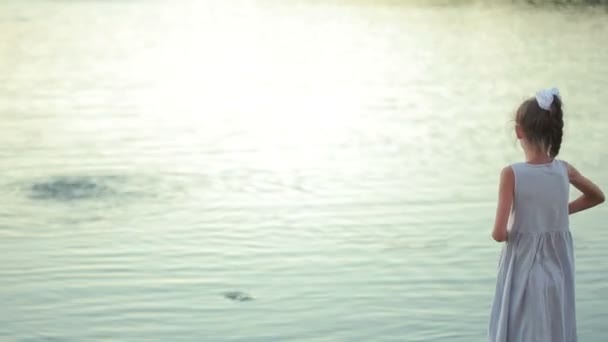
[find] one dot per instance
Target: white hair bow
(545, 97)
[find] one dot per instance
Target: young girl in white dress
(534, 300)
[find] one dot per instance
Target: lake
(279, 171)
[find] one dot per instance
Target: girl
(534, 300)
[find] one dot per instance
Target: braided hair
(542, 127)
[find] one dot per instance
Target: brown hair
(542, 127)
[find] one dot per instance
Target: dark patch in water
(238, 296)
(113, 189)
(70, 188)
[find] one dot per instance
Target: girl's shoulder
(554, 162)
(563, 164)
(522, 169)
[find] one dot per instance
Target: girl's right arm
(592, 194)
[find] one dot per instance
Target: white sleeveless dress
(534, 300)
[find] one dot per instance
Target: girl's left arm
(506, 192)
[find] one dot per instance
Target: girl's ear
(519, 132)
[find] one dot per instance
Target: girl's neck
(537, 156)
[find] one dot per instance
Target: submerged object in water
(69, 188)
(238, 296)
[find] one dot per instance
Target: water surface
(335, 163)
